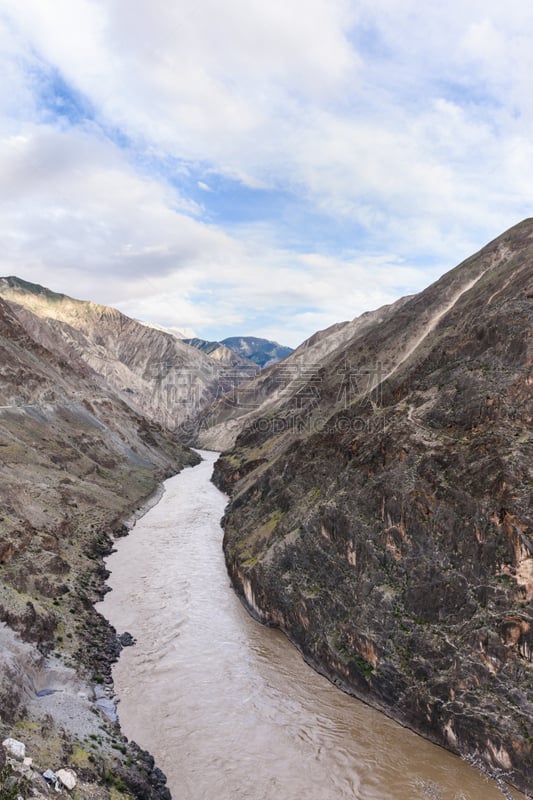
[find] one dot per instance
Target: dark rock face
(387, 527)
(126, 639)
(220, 352)
(144, 780)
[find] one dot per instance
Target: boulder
(126, 639)
(67, 777)
(14, 748)
(107, 707)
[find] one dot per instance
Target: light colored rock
(14, 748)
(99, 692)
(67, 777)
(28, 762)
(107, 707)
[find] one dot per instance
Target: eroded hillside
(150, 369)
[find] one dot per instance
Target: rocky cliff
(75, 461)
(381, 509)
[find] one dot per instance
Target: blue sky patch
(60, 101)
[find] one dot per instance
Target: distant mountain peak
(242, 349)
(262, 352)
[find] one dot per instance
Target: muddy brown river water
(227, 706)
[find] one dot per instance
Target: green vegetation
(13, 785)
(365, 666)
(115, 781)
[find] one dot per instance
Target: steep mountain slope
(150, 369)
(74, 459)
(382, 515)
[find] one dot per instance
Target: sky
(259, 168)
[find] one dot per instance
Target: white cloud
(71, 201)
(196, 77)
(408, 121)
(76, 217)
(246, 293)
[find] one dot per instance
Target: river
(227, 706)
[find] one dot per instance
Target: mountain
(220, 352)
(382, 498)
(150, 369)
(75, 462)
(262, 352)
(243, 350)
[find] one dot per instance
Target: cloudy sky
(252, 167)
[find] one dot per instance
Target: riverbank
(56, 655)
